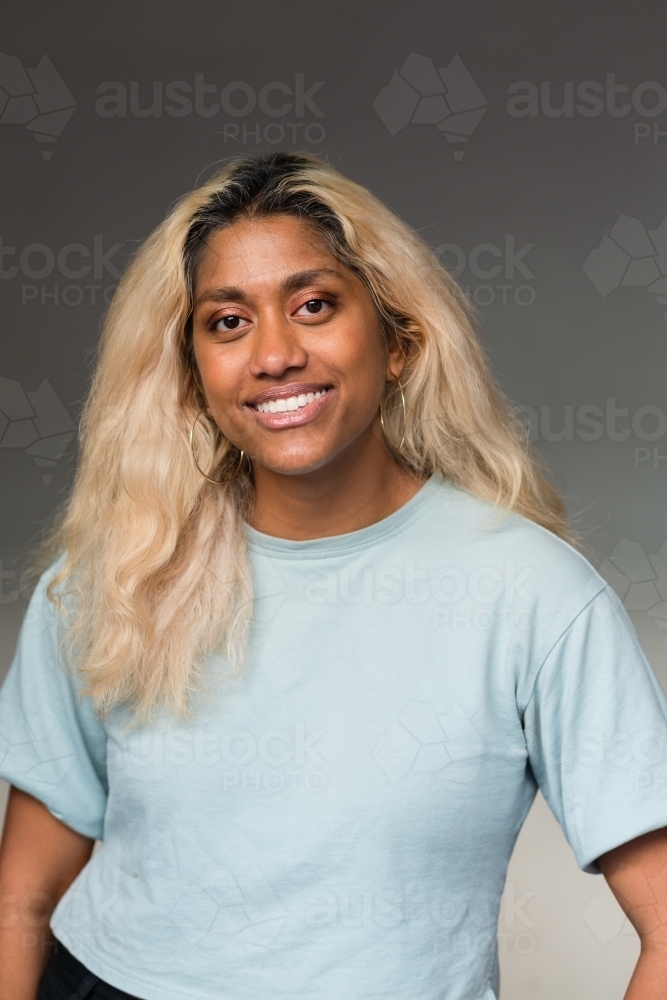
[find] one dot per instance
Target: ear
(396, 358)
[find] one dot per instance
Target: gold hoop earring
(384, 429)
(216, 482)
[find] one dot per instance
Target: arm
(39, 859)
(637, 875)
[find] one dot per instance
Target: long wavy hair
(153, 574)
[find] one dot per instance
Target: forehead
(263, 250)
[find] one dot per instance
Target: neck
(361, 485)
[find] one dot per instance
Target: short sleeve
(51, 744)
(596, 733)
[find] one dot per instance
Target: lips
(297, 389)
(290, 405)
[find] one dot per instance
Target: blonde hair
(155, 574)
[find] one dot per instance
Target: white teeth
(292, 403)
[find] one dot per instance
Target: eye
(230, 322)
(315, 307)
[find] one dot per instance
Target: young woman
(312, 631)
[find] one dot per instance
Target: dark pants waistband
(66, 978)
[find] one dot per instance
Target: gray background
(559, 184)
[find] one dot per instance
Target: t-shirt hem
(588, 859)
(74, 824)
(119, 979)
(116, 977)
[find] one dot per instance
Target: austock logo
(490, 261)
(231, 906)
(605, 918)
(36, 98)
(590, 99)
(48, 755)
(92, 263)
(428, 740)
(420, 94)
(280, 109)
(632, 256)
(591, 422)
(36, 422)
(640, 580)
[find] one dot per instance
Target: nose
(276, 347)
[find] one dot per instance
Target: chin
(293, 465)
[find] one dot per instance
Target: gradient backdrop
(527, 144)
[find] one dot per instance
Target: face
(291, 355)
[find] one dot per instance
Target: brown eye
(229, 322)
(315, 307)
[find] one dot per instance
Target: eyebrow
(291, 284)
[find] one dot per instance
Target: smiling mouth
(290, 406)
(284, 404)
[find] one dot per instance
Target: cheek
(220, 375)
(365, 363)
(357, 349)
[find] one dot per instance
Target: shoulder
(43, 618)
(42, 597)
(476, 534)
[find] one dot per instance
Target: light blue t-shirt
(338, 821)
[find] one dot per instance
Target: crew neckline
(290, 548)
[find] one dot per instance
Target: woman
(312, 631)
